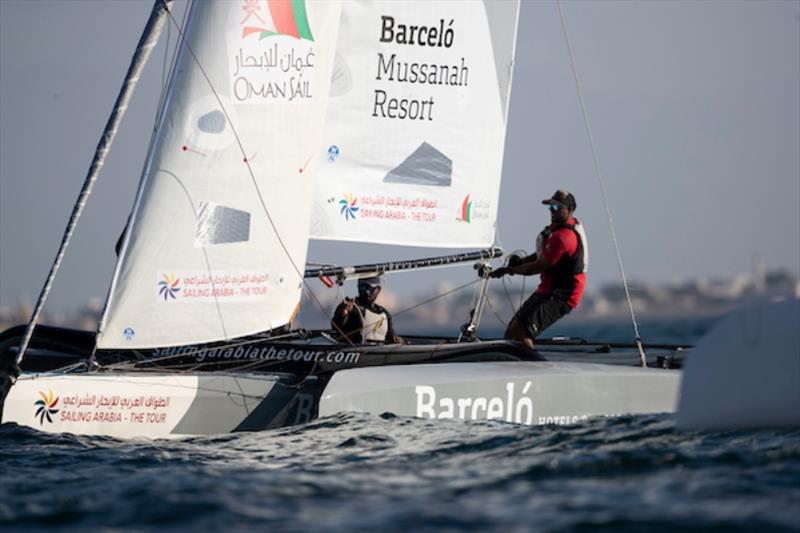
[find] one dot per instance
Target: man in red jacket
(562, 256)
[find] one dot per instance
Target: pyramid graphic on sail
(426, 166)
(267, 18)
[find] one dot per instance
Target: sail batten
(415, 132)
(218, 237)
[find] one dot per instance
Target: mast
(147, 42)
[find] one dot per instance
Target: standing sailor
(362, 321)
(562, 258)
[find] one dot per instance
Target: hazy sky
(695, 110)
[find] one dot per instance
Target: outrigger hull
(529, 392)
(128, 405)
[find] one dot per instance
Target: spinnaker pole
(147, 42)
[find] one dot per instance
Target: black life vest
(567, 267)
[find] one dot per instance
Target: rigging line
(164, 70)
(62, 370)
(259, 364)
(282, 244)
(204, 250)
(495, 312)
(331, 313)
(235, 366)
(436, 297)
(144, 47)
(637, 336)
(508, 295)
(424, 302)
(197, 387)
(124, 243)
(521, 253)
(235, 373)
(167, 71)
(189, 353)
(166, 77)
(188, 368)
(241, 391)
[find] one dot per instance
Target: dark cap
(563, 198)
(365, 284)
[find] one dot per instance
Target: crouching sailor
(362, 321)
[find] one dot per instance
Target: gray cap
(369, 283)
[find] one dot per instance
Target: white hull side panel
(745, 373)
(524, 392)
(131, 405)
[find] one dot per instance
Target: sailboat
(285, 121)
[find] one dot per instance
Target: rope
(506, 280)
(441, 295)
(147, 42)
(494, 311)
(520, 253)
(122, 365)
(637, 337)
(63, 370)
(167, 70)
(239, 365)
(197, 387)
(424, 302)
(245, 342)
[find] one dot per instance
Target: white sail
(416, 123)
(217, 240)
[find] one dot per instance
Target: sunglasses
(368, 288)
(553, 207)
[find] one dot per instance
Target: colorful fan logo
(465, 214)
(281, 17)
(168, 287)
(45, 408)
(349, 208)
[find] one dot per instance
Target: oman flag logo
(465, 213)
(268, 18)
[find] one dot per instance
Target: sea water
(386, 473)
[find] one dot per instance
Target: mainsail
(216, 244)
(414, 137)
